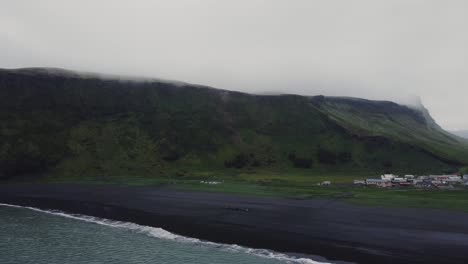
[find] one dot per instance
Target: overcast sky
(376, 49)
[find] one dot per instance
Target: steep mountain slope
(62, 123)
(390, 120)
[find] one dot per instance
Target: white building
(437, 182)
(396, 179)
(379, 183)
(325, 183)
(454, 180)
(388, 177)
(211, 182)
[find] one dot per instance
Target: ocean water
(30, 235)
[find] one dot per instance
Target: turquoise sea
(29, 235)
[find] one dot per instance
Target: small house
(379, 183)
(437, 182)
(388, 177)
(422, 184)
(325, 183)
(359, 182)
(373, 181)
(454, 180)
(211, 182)
(417, 182)
(398, 180)
(440, 177)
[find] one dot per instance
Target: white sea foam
(163, 234)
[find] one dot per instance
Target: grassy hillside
(67, 126)
(387, 119)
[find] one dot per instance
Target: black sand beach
(332, 229)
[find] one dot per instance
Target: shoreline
(332, 229)
(160, 233)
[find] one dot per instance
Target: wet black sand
(333, 229)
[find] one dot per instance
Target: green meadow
(296, 185)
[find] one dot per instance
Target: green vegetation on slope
(390, 120)
(74, 128)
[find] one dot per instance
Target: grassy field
(297, 184)
(453, 200)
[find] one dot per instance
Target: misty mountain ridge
(59, 72)
(415, 102)
(61, 123)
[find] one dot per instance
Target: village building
(423, 181)
(417, 181)
(437, 182)
(388, 177)
(379, 183)
(398, 180)
(454, 180)
(422, 184)
(211, 182)
(439, 177)
(359, 182)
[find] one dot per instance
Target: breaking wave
(163, 234)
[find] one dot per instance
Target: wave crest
(163, 234)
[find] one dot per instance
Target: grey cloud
(375, 49)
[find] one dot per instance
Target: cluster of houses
(430, 181)
(211, 182)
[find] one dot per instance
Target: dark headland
(333, 229)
